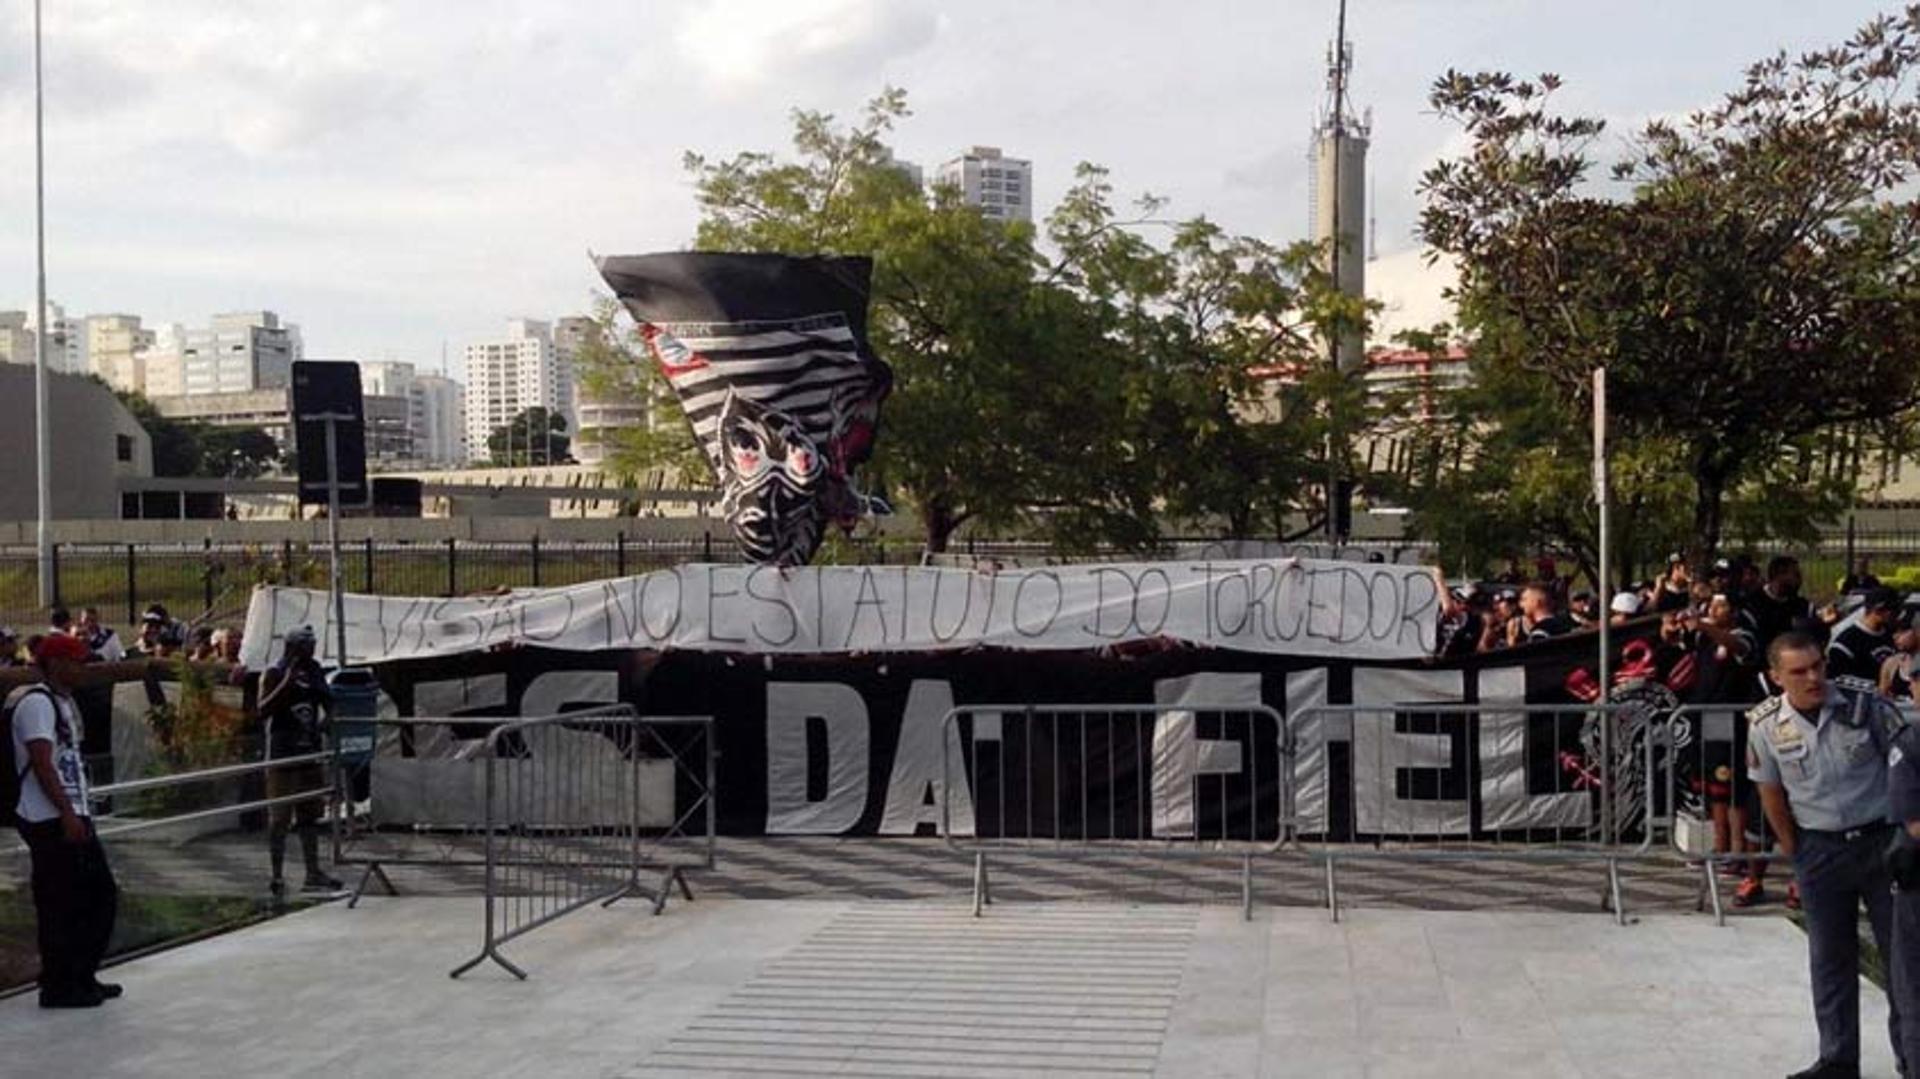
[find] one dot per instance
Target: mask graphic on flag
(768, 355)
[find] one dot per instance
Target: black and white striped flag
(769, 357)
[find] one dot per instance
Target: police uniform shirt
(1833, 769)
(1903, 775)
(1859, 651)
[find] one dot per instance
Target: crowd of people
(1710, 645)
(159, 636)
(1720, 622)
(49, 801)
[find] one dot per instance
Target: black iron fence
(209, 582)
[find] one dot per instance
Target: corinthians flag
(768, 355)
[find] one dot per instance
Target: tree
(1755, 290)
(183, 448)
(237, 452)
(613, 367)
(1077, 397)
(533, 437)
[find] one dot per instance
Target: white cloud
(741, 45)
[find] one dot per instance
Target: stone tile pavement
(918, 988)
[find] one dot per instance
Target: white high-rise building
(387, 378)
(247, 350)
(595, 414)
(510, 375)
(435, 412)
(1002, 187)
(438, 416)
(16, 341)
(67, 346)
(117, 350)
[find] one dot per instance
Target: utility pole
(42, 428)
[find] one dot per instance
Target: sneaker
(277, 888)
(320, 882)
(1793, 900)
(1750, 892)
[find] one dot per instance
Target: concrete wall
(86, 419)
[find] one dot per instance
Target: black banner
(854, 745)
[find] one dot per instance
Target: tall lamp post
(42, 430)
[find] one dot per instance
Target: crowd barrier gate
(1181, 779)
(564, 820)
(419, 799)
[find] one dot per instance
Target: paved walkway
(809, 867)
(918, 988)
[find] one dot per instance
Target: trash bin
(356, 704)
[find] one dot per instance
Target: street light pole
(42, 430)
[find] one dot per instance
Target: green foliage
(1081, 397)
(183, 448)
(613, 366)
(533, 437)
(1754, 293)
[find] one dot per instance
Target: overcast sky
(395, 175)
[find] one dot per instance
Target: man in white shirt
(101, 640)
(74, 894)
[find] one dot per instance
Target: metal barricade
(1460, 781)
(1183, 779)
(1718, 825)
(419, 798)
(565, 811)
(109, 826)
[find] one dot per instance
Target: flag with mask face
(768, 355)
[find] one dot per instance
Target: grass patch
(145, 921)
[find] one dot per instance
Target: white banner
(1358, 611)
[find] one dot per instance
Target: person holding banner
(1818, 755)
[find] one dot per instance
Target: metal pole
(42, 429)
(1603, 588)
(333, 543)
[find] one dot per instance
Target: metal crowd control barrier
(565, 820)
(1458, 781)
(420, 797)
(1717, 822)
(1184, 779)
(110, 826)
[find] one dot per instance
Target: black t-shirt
(1666, 599)
(1460, 635)
(293, 725)
(1553, 625)
(1859, 651)
(1762, 618)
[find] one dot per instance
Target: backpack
(13, 773)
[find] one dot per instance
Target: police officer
(1817, 754)
(1903, 865)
